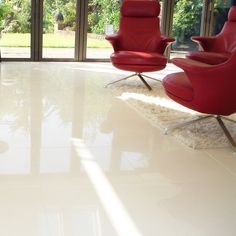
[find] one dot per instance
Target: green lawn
(49, 41)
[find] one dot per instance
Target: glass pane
(103, 18)
(160, 16)
(186, 23)
(59, 23)
(221, 8)
(15, 28)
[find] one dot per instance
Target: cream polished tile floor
(77, 161)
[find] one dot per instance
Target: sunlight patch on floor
(163, 102)
(118, 215)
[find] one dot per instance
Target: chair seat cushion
(178, 85)
(212, 58)
(138, 58)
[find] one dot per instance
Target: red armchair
(208, 89)
(217, 49)
(138, 45)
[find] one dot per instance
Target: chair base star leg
(220, 122)
(140, 77)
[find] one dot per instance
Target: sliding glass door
(15, 28)
(59, 28)
(102, 18)
(75, 30)
(38, 29)
(186, 23)
(220, 13)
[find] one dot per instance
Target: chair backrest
(215, 90)
(139, 26)
(227, 37)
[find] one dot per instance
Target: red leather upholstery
(211, 58)
(127, 59)
(180, 86)
(202, 87)
(220, 47)
(138, 45)
(141, 9)
(232, 14)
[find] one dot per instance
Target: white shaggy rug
(162, 112)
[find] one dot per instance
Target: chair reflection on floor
(128, 137)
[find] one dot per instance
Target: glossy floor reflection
(76, 160)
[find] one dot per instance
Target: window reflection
(37, 125)
(79, 221)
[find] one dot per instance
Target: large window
(76, 29)
(221, 8)
(59, 27)
(186, 23)
(15, 28)
(103, 18)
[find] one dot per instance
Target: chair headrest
(232, 14)
(140, 8)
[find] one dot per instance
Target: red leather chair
(138, 45)
(208, 89)
(217, 49)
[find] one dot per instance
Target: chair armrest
(205, 43)
(205, 77)
(164, 43)
(203, 70)
(196, 70)
(114, 40)
(168, 40)
(189, 64)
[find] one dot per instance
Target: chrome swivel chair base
(217, 117)
(136, 74)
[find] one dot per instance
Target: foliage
(15, 16)
(102, 12)
(187, 18)
(185, 27)
(69, 13)
(21, 11)
(67, 10)
(220, 14)
(4, 9)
